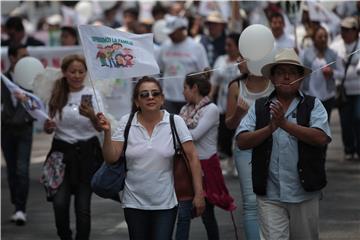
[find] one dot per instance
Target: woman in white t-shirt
(148, 198)
(242, 94)
(75, 143)
(202, 118)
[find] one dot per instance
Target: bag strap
(348, 63)
(177, 138)
(126, 134)
(172, 123)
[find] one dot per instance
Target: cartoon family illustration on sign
(115, 55)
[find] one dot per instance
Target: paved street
(339, 208)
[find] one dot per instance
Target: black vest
(311, 165)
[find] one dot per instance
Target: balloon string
(244, 60)
(316, 70)
(210, 70)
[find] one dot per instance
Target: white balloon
(255, 42)
(26, 70)
(159, 35)
(85, 11)
(255, 66)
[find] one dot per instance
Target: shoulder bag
(109, 179)
(182, 173)
(341, 97)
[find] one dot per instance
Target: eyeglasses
(146, 94)
(291, 73)
(343, 29)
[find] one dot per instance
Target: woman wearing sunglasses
(148, 198)
(202, 118)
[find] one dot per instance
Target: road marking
(121, 225)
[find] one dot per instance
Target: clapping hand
(277, 114)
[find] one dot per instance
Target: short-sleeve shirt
(283, 183)
(72, 126)
(176, 61)
(149, 183)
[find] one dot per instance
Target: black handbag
(109, 179)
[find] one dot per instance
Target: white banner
(112, 54)
(49, 56)
(117, 92)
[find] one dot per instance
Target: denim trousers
(249, 205)
(61, 205)
(150, 224)
(350, 125)
(17, 151)
(184, 220)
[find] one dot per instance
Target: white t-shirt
(179, 60)
(149, 183)
(205, 133)
(250, 97)
(73, 127)
(352, 83)
(318, 84)
(285, 41)
(222, 77)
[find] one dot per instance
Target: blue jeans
(250, 214)
(350, 125)
(61, 205)
(16, 146)
(184, 220)
(150, 224)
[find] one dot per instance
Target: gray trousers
(288, 221)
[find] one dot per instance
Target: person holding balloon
(16, 139)
(72, 111)
(242, 93)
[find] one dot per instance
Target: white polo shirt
(149, 183)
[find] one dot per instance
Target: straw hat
(350, 22)
(215, 17)
(284, 56)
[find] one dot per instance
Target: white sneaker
(349, 157)
(20, 218)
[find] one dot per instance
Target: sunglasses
(146, 94)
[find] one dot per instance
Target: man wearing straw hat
(214, 41)
(287, 132)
